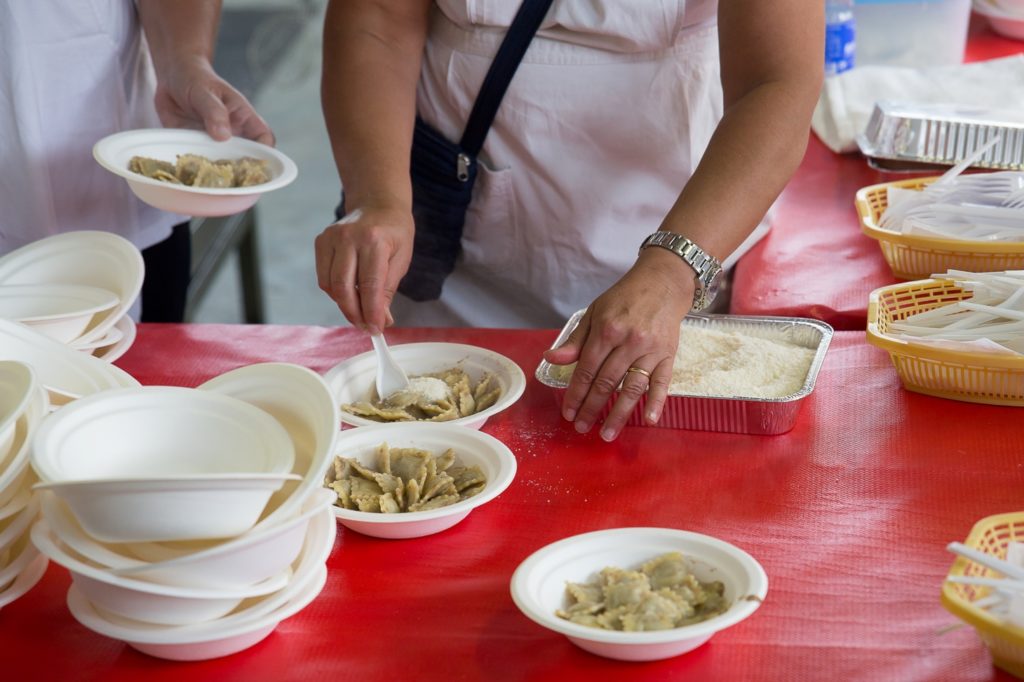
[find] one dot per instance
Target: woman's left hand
(628, 336)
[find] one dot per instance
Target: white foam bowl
(307, 565)
(66, 528)
(538, 586)
(115, 151)
(66, 373)
(352, 380)
(113, 349)
(123, 459)
(90, 258)
(471, 448)
(300, 400)
(159, 432)
(60, 311)
(214, 644)
(168, 509)
(245, 560)
(145, 601)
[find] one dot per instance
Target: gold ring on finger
(639, 370)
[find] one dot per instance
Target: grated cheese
(733, 364)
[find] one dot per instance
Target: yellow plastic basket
(993, 379)
(1005, 642)
(917, 257)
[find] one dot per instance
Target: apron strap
(525, 25)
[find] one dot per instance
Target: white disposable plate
(214, 644)
(26, 580)
(352, 380)
(22, 552)
(301, 402)
(112, 336)
(56, 366)
(60, 311)
(17, 527)
(110, 353)
(315, 546)
(471, 447)
(145, 601)
(17, 383)
(16, 475)
(115, 151)
(91, 258)
(244, 560)
(538, 586)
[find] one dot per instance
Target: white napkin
(847, 100)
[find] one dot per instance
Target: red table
(849, 514)
(815, 261)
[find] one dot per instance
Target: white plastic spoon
(390, 377)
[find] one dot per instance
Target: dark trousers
(168, 270)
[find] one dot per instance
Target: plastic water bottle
(839, 36)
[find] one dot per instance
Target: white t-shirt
(70, 74)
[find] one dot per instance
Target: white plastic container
(915, 33)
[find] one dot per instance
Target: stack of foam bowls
(64, 373)
(147, 498)
(75, 288)
(22, 408)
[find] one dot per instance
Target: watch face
(706, 294)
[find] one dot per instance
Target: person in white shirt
(72, 73)
(625, 118)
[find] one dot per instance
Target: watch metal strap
(704, 264)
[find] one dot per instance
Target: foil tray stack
(902, 136)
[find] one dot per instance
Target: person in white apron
(72, 73)
(612, 129)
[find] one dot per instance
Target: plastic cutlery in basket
(987, 560)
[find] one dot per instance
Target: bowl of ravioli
(188, 172)
(480, 384)
(639, 594)
(412, 479)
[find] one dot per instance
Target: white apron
(70, 74)
(604, 122)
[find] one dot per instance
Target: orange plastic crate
(1005, 642)
(958, 375)
(917, 256)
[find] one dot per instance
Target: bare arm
(372, 55)
(181, 36)
(771, 59)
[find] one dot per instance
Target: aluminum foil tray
(762, 416)
(899, 133)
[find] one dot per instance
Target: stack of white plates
(22, 407)
(148, 499)
(75, 288)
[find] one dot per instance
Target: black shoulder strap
(527, 20)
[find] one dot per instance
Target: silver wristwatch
(707, 267)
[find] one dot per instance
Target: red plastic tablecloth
(815, 261)
(849, 514)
